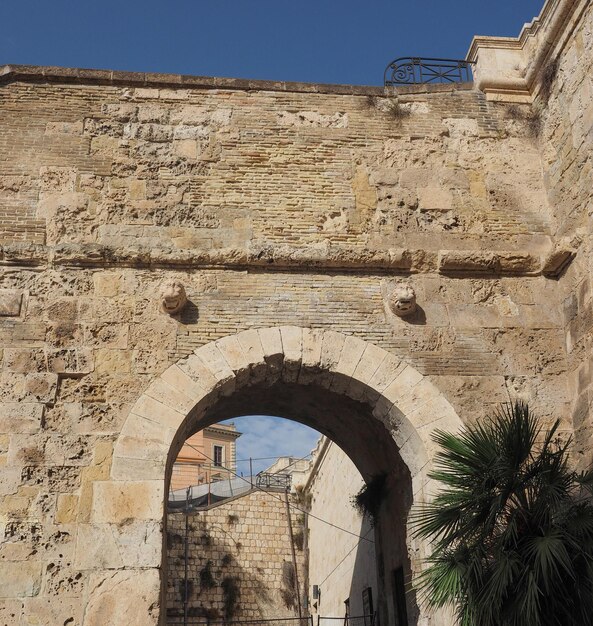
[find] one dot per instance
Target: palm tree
(511, 529)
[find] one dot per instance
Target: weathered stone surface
(20, 580)
(10, 302)
(110, 593)
(121, 502)
(288, 212)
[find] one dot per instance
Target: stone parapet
(511, 69)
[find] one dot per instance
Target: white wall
(341, 564)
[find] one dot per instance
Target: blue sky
(346, 41)
(266, 436)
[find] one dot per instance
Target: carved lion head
(403, 300)
(173, 297)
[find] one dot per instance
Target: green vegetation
(512, 527)
(369, 499)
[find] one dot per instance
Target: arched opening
(366, 441)
(379, 409)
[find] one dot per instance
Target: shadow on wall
(234, 572)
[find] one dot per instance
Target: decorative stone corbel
(172, 297)
(402, 300)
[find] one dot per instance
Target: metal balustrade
(417, 71)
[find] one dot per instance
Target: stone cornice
(304, 259)
(232, 434)
(64, 75)
(508, 68)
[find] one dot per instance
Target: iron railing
(416, 70)
(263, 480)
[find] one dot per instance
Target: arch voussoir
(311, 359)
(271, 342)
(250, 342)
(342, 371)
(403, 400)
(232, 352)
(292, 348)
(370, 361)
(213, 360)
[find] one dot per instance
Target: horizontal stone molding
(35, 73)
(280, 257)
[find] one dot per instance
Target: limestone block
(53, 609)
(108, 546)
(21, 417)
(416, 396)
(10, 480)
(125, 469)
(129, 597)
(349, 358)
(250, 343)
(41, 387)
(215, 362)
(399, 387)
(110, 361)
(271, 342)
(163, 392)
(67, 508)
(195, 368)
(183, 382)
(370, 361)
(311, 360)
(72, 361)
(10, 302)
(292, 346)
(170, 416)
(24, 360)
(554, 264)
(385, 374)
(116, 502)
(107, 284)
(435, 199)
(20, 579)
(472, 261)
(141, 448)
(231, 350)
(331, 349)
(11, 611)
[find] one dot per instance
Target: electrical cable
(346, 556)
(319, 519)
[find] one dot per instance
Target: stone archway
(128, 509)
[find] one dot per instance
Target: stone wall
(274, 204)
(339, 563)
(566, 104)
(240, 559)
(548, 68)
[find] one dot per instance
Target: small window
(218, 456)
